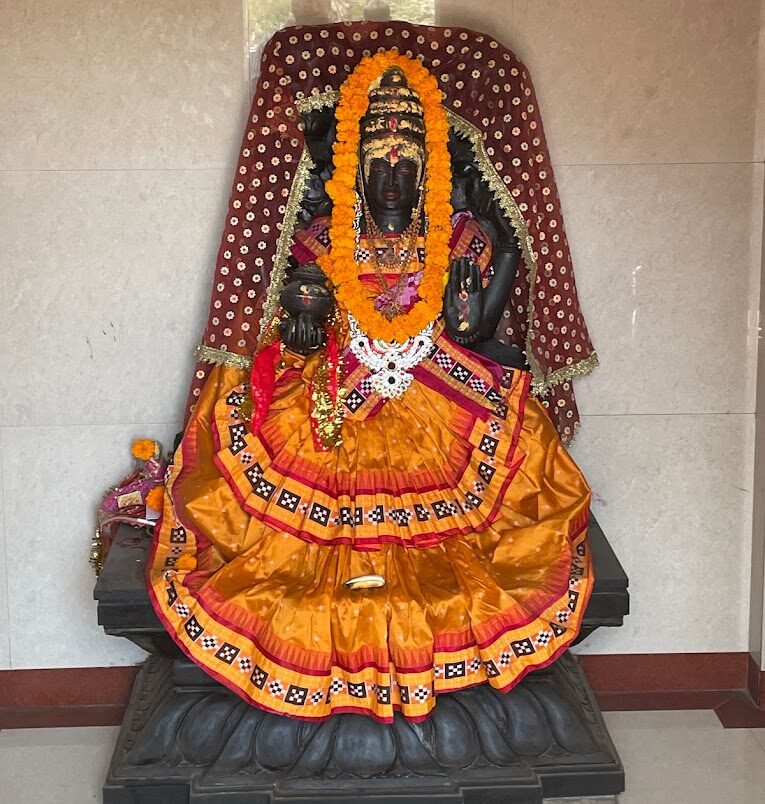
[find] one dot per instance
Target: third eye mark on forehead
(383, 166)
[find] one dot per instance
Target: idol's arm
(471, 313)
(506, 259)
(463, 302)
(302, 334)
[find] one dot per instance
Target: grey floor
(670, 757)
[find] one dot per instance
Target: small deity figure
(375, 510)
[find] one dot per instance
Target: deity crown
(393, 127)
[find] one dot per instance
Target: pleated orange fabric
(459, 493)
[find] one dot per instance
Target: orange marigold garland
(340, 263)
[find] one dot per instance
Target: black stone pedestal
(186, 738)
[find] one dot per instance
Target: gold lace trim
(220, 357)
(565, 373)
(321, 100)
(283, 244)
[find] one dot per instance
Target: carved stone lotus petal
(455, 742)
(523, 709)
(276, 746)
(364, 747)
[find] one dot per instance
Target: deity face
(392, 187)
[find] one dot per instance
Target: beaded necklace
(389, 254)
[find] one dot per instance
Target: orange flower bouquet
(136, 500)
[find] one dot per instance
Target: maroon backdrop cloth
(490, 89)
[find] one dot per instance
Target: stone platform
(185, 738)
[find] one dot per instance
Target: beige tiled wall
(119, 130)
(649, 110)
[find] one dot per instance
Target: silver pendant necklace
(389, 362)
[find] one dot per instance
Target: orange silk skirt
(477, 522)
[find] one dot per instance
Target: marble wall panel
(131, 83)
(657, 81)
(674, 497)
(759, 128)
(758, 248)
(132, 114)
(757, 593)
(53, 477)
(107, 278)
(492, 17)
(666, 267)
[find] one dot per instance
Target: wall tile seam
(166, 169)
(749, 414)
(659, 163)
(673, 413)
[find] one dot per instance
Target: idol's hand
(463, 302)
(302, 334)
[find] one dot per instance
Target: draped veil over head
(490, 101)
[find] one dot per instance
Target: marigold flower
(143, 449)
(155, 498)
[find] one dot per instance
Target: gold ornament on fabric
(327, 408)
(365, 582)
(327, 414)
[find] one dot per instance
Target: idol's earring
(360, 193)
(417, 210)
(357, 212)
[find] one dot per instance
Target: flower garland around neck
(340, 263)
